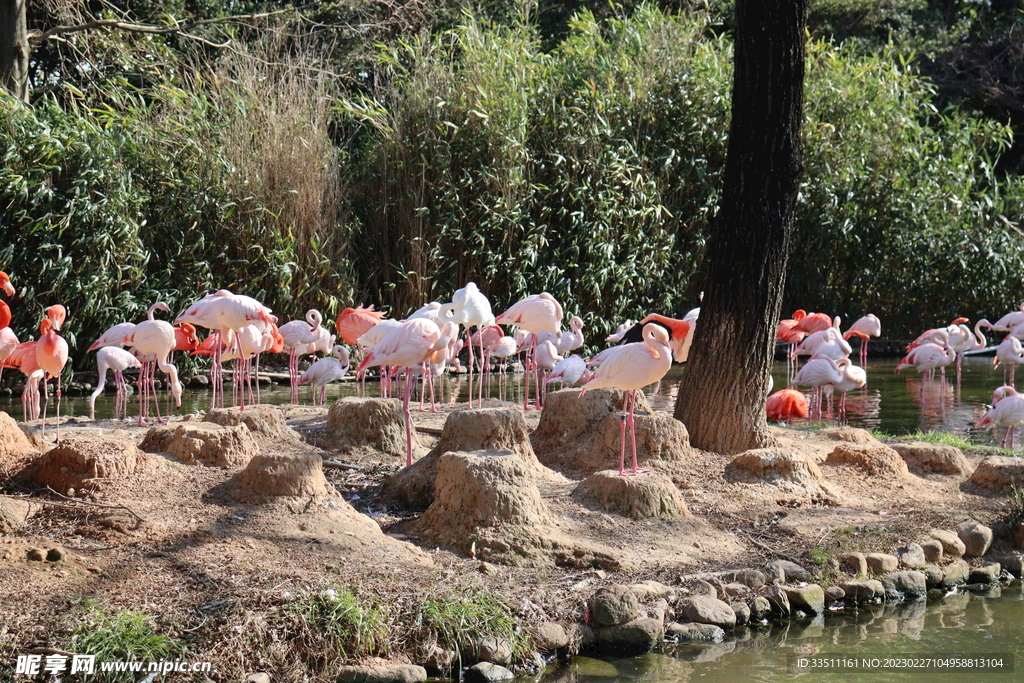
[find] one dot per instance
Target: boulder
(834, 593)
(208, 442)
(487, 649)
(906, 584)
(779, 600)
(646, 590)
(932, 549)
(375, 423)
(263, 421)
(695, 633)
(581, 434)
(703, 609)
(809, 598)
(399, 673)
(998, 473)
(856, 563)
(613, 605)
(956, 574)
(986, 573)
(861, 591)
(14, 512)
(1017, 538)
(879, 460)
(645, 496)
(549, 636)
(933, 575)
(742, 613)
(734, 590)
(791, 571)
(1013, 563)
(632, 638)
(881, 563)
(933, 458)
(88, 463)
(912, 556)
(951, 543)
(281, 475)
(486, 671)
(751, 578)
(976, 537)
(482, 429)
(760, 608)
(702, 587)
(848, 434)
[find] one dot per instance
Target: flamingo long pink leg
(622, 434)
(469, 343)
(408, 419)
(632, 431)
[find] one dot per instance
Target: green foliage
(452, 620)
(1015, 515)
(348, 624)
(125, 636)
(946, 438)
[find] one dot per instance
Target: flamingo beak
(9, 288)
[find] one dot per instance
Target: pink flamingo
(536, 313)
(818, 372)
(51, 357)
(485, 338)
(412, 343)
(298, 333)
(927, 357)
(1009, 352)
(812, 322)
(828, 342)
(470, 308)
(153, 341)
(1009, 413)
(373, 336)
(24, 359)
(353, 323)
(324, 371)
(864, 328)
(116, 359)
(569, 371)
(786, 405)
(8, 340)
(632, 367)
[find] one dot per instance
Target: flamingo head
(960, 321)
(185, 337)
(57, 315)
(5, 283)
(799, 314)
(314, 318)
(45, 327)
(161, 306)
(278, 345)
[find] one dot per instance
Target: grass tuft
(454, 620)
(947, 438)
(351, 625)
(126, 636)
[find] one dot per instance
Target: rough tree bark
(722, 395)
(14, 49)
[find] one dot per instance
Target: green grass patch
(947, 438)
(819, 556)
(453, 620)
(350, 624)
(125, 636)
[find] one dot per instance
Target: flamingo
(864, 328)
(353, 323)
(1009, 321)
(818, 372)
(24, 359)
(853, 377)
(326, 370)
(680, 333)
(51, 357)
(373, 336)
(536, 313)
(1001, 393)
(813, 322)
(786, 404)
(828, 342)
(929, 356)
(1010, 353)
(964, 339)
(546, 359)
(631, 367)
(469, 307)
(620, 331)
(154, 340)
(569, 370)
(117, 359)
(1008, 413)
(295, 334)
(571, 339)
(407, 346)
(431, 311)
(786, 332)
(486, 337)
(8, 340)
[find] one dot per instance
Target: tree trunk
(722, 395)
(14, 48)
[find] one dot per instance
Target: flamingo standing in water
(818, 372)
(786, 404)
(680, 333)
(154, 340)
(8, 340)
(324, 371)
(828, 342)
(117, 359)
(786, 332)
(373, 336)
(298, 333)
(927, 357)
(51, 357)
(853, 377)
(569, 370)
(470, 308)
(632, 367)
(407, 346)
(864, 328)
(1009, 413)
(535, 314)
(1011, 353)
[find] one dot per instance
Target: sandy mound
(86, 463)
(375, 423)
(13, 514)
(582, 434)
(873, 459)
(15, 447)
(482, 429)
(933, 458)
(488, 501)
(647, 495)
(998, 473)
(848, 434)
(263, 421)
(277, 475)
(790, 472)
(205, 441)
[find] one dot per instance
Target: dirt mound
(208, 442)
(86, 463)
(15, 447)
(487, 502)
(873, 459)
(13, 514)
(482, 429)
(647, 495)
(581, 434)
(998, 473)
(848, 434)
(791, 472)
(296, 475)
(375, 423)
(263, 421)
(933, 458)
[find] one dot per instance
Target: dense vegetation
(315, 163)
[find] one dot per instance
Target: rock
(660, 610)
(587, 636)
(210, 443)
(706, 610)
(933, 458)
(834, 593)
(375, 423)
(15, 444)
(486, 671)
(760, 608)
(734, 590)
(581, 434)
(86, 463)
(956, 574)
(258, 678)
(998, 473)
(401, 673)
(932, 549)
(55, 554)
(276, 475)
(587, 668)
(791, 571)
(873, 459)
(1018, 536)
(440, 661)
(790, 471)
(986, 573)
(695, 633)
(773, 574)
(632, 638)
(1013, 563)
(549, 636)
(898, 585)
(848, 434)
(36, 555)
(651, 589)
(750, 578)
(911, 556)
(933, 575)
(483, 429)
(613, 605)
(13, 513)
(702, 587)
(809, 598)
(951, 543)
(488, 649)
(976, 537)
(648, 495)
(881, 563)
(861, 591)
(779, 600)
(856, 563)
(742, 613)
(263, 421)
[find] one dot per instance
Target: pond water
(891, 403)
(962, 624)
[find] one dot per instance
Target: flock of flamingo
(427, 343)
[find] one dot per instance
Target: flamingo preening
(786, 405)
(117, 359)
(324, 371)
(1008, 412)
(535, 314)
(470, 308)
